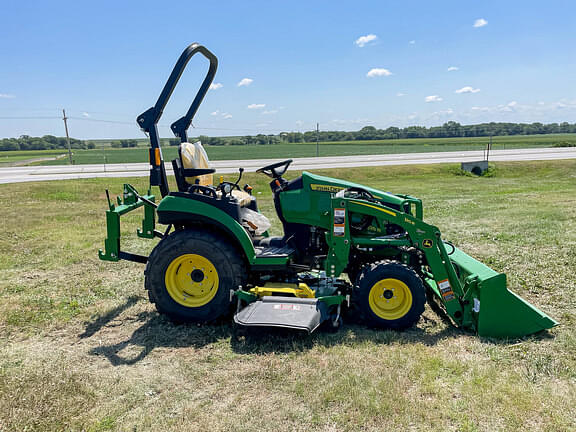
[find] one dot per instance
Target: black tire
(399, 311)
(224, 261)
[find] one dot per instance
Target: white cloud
(433, 98)
(453, 68)
(412, 42)
(480, 22)
(467, 89)
(245, 82)
(6, 96)
(270, 112)
(399, 94)
(364, 40)
(376, 72)
(85, 115)
(256, 106)
(215, 86)
(224, 115)
(509, 107)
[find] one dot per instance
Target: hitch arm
(131, 201)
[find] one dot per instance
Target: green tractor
(216, 258)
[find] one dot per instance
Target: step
(273, 251)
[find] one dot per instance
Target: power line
(90, 119)
(31, 118)
(103, 121)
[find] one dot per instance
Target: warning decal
(339, 222)
(446, 290)
(284, 306)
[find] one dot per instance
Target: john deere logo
(427, 243)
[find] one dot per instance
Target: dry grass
(82, 349)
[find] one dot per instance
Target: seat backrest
(193, 156)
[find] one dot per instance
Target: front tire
(390, 295)
(190, 273)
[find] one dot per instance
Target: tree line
(450, 129)
(47, 142)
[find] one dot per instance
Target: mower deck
(284, 312)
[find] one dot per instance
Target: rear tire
(190, 273)
(390, 295)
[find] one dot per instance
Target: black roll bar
(148, 120)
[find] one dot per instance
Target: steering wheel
(203, 190)
(271, 170)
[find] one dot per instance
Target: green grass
(82, 349)
(344, 148)
(7, 157)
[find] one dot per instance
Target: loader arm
(473, 295)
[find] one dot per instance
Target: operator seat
(193, 156)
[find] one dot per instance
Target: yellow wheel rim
(390, 299)
(191, 280)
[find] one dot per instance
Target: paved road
(66, 172)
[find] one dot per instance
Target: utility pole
(317, 139)
(67, 136)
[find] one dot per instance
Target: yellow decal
(377, 208)
(326, 188)
(427, 243)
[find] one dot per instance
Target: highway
(68, 172)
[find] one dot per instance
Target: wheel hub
(390, 299)
(197, 275)
(191, 280)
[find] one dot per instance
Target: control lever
(241, 170)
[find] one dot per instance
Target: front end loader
(345, 248)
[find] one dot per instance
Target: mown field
(344, 148)
(82, 349)
(8, 157)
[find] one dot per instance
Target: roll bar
(148, 120)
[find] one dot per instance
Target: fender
(174, 209)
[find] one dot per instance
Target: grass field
(7, 157)
(140, 154)
(82, 349)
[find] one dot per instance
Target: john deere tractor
(345, 247)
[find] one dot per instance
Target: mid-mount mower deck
(215, 255)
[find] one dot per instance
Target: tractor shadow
(154, 331)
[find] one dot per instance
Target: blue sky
(304, 61)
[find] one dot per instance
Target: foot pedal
(285, 312)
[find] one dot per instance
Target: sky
(285, 65)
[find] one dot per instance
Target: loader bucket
(495, 310)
